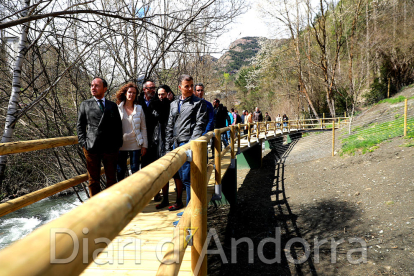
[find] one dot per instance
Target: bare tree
(121, 41)
(291, 16)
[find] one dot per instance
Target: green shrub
(378, 91)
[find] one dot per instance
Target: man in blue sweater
(199, 92)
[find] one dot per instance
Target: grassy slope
(367, 138)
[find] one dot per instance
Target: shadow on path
(265, 222)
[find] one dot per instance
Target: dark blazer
(99, 132)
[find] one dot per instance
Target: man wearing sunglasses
(151, 107)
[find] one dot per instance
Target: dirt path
(368, 197)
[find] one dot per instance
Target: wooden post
(238, 138)
(323, 120)
(275, 127)
(199, 206)
(345, 114)
(248, 133)
(389, 85)
(405, 117)
(288, 125)
(333, 137)
(217, 156)
(232, 141)
(257, 130)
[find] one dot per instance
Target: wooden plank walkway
(133, 251)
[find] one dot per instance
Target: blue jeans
(184, 173)
(134, 156)
(224, 139)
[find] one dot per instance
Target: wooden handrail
(32, 145)
(104, 216)
(23, 201)
(172, 269)
(222, 130)
(20, 202)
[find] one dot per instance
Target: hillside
(239, 54)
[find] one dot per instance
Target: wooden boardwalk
(133, 251)
(142, 233)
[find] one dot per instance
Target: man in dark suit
(100, 135)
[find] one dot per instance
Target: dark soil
(316, 196)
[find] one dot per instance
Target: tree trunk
(13, 106)
(377, 56)
(367, 45)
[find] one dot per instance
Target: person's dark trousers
(149, 157)
(134, 157)
(93, 165)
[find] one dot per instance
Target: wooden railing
(107, 213)
(26, 146)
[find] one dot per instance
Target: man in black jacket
(187, 121)
(221, 119)
(151, 106)
(152, 109)
(100, 135)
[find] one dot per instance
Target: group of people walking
(145, 127)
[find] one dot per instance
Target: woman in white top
(278, 120)
(134, 129)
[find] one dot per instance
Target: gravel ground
(303, 192)
(361, 207)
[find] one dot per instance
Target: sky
(248, 24)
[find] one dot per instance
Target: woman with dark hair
(134, 129)
(285, 120)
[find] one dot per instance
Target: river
(20, 223)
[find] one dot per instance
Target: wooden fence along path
(119, 231)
